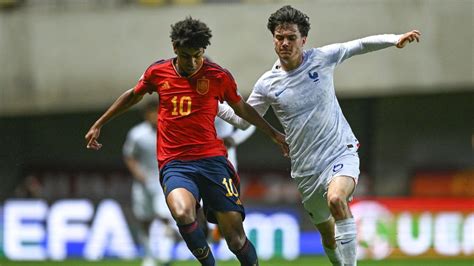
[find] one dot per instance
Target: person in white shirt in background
(148, 200)
(323, 149)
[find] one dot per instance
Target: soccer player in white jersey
(148, 200)
(323, 149)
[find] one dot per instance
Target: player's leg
(182, 195)
(167, 229)
(220, 188)
(326, 229)
(143, 212)
(340, 190)
(313, 193)
(182, 205)
(231, 227)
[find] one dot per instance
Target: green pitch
(307, 261)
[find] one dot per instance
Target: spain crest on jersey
(202, 86)
(165, 85)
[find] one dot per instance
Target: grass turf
(305, 261)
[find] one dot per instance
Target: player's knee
(183, 215)
(336, 201)
(236, 242)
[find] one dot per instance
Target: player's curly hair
(289, 15)
(190, 33)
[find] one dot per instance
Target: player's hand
(91, 138)
(280, 140)
(408, 37)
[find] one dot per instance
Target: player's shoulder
(327, 49)
(214, 68)
(314, 52)
(265, 80)
(160, 64)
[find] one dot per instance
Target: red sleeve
(144, 84)
(230, 89)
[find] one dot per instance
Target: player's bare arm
(408, 37)
(248, 113)
(226, 113)
(123, 103)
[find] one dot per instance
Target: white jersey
(305, 102)
(141, 146)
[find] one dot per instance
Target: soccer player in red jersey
(192, 160)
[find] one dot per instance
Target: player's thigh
(220, 188)
(313, 194)
(341, 186)
(182, 205)
(345, 174)
(180, 190)
(142, 203)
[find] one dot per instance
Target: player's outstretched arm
(226, 113)
(123, 102)
(248, 113)
(408, 37)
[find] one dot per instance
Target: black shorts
(212, 179)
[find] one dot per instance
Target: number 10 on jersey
(181, 105)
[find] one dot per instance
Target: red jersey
(187, 109)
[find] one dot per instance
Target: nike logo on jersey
(337, 167)
(314, 76)
(279, 92)
(343, 243)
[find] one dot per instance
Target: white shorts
(313, 189)
(148, 202)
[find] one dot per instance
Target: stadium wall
(399, 136)
(76, 59)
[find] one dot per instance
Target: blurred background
(63, 62)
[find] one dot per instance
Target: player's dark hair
(190, 33)
(150, 106)
(289, 15)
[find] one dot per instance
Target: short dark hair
(289, 15)
(190, 33)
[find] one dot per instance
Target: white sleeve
(240, 136)
(227, 114)
(257, 99)
(341, 51)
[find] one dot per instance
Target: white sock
(145, 241)
(334, 256)
(346, 238)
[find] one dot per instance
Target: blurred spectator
(31, 187)
(148, 200)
